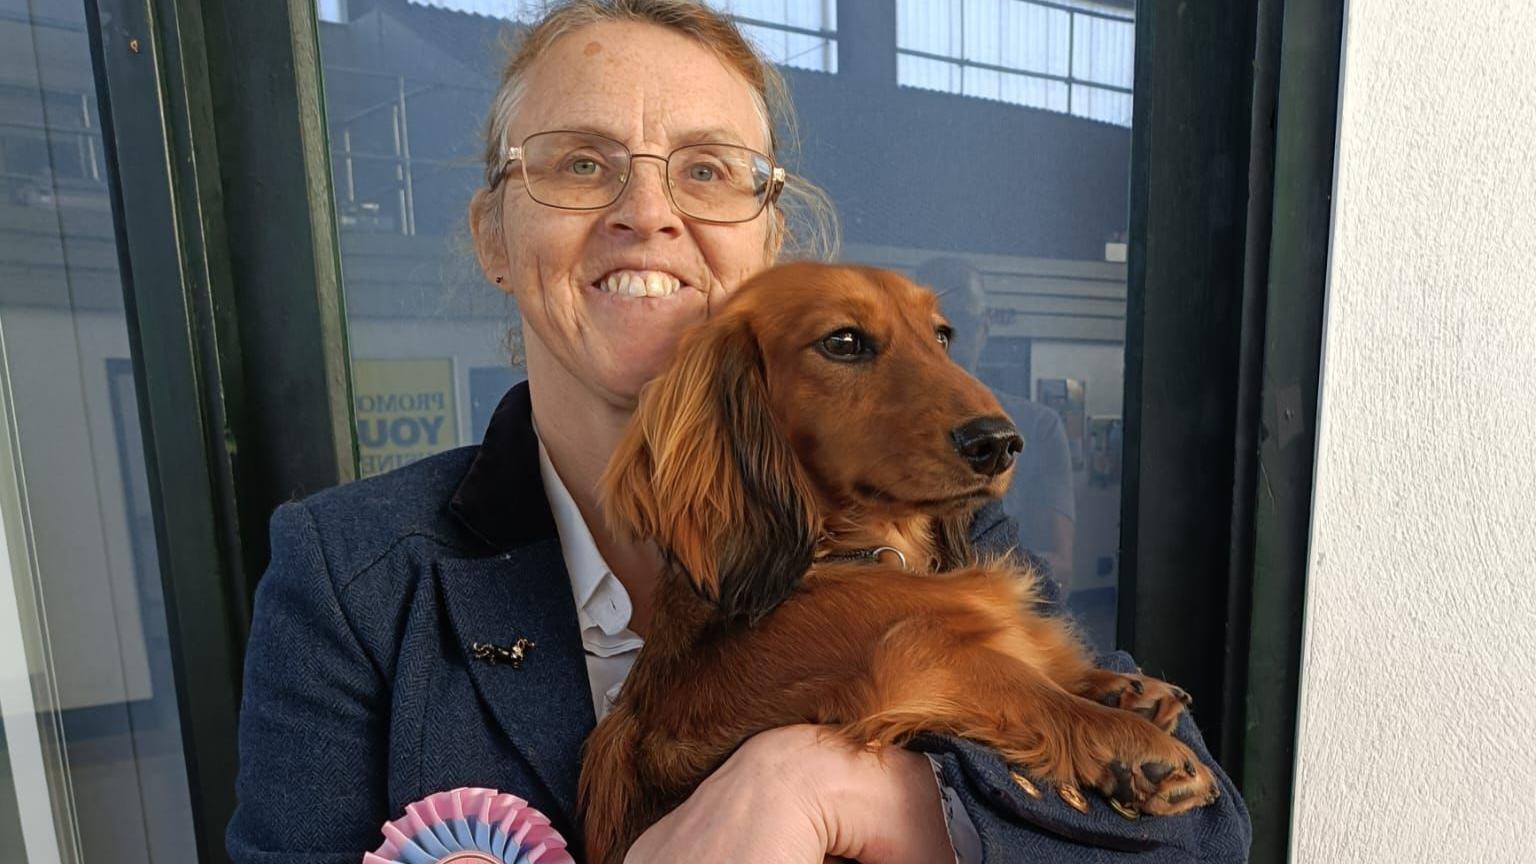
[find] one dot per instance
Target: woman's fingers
(753, 808)
(802, 795)
(882, 807)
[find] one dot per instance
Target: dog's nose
(988, 444)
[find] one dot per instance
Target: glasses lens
(719, 182)
(576, 170)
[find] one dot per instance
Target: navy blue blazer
(361, 696)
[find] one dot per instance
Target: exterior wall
(1419, 671)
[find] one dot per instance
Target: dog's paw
(1158, 702)
(1162, 778)
(1137, 766)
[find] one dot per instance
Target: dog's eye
(845, 344)
(944, 335)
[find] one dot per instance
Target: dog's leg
(1053, 646)
(608, 791)
(926, 677)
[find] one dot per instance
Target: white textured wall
(1417, 737)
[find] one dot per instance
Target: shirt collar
(496, 500)
(603, 607)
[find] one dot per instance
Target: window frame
(1223, 355)
(221, 196)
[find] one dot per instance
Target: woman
(381, 662)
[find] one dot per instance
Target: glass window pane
(91, 764)
(1060, 47)
(994, 132)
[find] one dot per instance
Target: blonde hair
(803, 221)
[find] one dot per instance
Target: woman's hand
(797, 794)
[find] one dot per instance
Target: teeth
(640, 283)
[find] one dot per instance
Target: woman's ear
(486, 233)
(705, 471)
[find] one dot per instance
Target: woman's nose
(644, 206)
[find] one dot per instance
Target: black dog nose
(988, 444)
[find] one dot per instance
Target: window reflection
(91, 764)
(1070, 56)
(1009, 156)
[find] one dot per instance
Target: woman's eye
(847, 343)
(944, 334)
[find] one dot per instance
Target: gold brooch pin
(493, 654)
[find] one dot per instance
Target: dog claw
(1178, 796)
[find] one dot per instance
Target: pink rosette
(470, 825)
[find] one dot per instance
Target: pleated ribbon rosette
(470, 825)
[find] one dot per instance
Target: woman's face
(654, 90)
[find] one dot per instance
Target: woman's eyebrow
(720, 134)
(594, 128)
(701, 135)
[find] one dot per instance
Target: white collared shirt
(603, 607)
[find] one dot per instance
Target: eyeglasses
(721, 183)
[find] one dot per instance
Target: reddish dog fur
(758, 453)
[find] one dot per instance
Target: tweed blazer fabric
(361, 694)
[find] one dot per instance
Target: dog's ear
(705, 471)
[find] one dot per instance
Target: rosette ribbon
(470, 825)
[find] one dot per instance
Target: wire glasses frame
(609, 166)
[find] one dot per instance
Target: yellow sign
(405, 411)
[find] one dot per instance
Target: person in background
(1040, 495)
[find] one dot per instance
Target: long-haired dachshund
(808, 465)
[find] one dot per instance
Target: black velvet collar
(501, 499)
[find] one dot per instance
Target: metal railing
(962, 59)
(395, 109)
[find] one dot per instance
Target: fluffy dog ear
(706, 472)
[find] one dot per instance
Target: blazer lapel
(545, 706)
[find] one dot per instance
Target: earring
(498, 279)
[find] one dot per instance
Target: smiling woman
(633, 182)
(562, 256)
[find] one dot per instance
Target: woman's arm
(794, 795)
(313, 725)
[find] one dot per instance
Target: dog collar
(871, 555)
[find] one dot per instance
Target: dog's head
(815, 392)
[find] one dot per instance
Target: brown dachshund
(808, 465)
